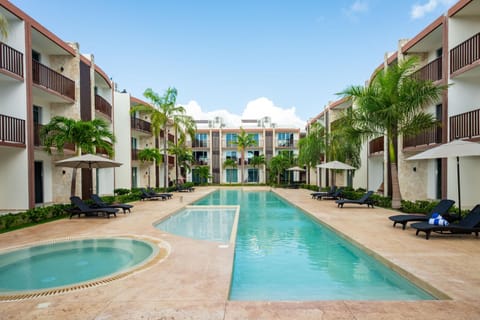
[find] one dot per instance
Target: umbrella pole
(458, 187)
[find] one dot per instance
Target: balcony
(171, 160)
(135, 154)
(287, 143)
(465, 54)
(45, 77)
(376, 145)
(465, 125)
(11, 60)
(103, 106)
(430, 72)
(12, 130)
(427, 137)
(200, 162)
(140, 125)
(37, 142)
(199, 144)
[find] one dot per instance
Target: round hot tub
(69, 263)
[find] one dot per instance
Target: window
(201, 140)
(134, 177)
(232, 176)
(36, 55)
(231, 155)
(284, 139)
(231, 139)
(200, 157)
(252, 175)
(255, 137)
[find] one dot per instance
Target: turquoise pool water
(66, 263)
(204, 223)
(282, 253)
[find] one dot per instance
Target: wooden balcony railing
(171, 160)
(171, 138)
(465, 53)
(199, 144)
(429, 136)
(465, 125)
(11, 59)
(376, 145)
(12, 130)
(50, 79)
(431, 71)
(140, 125)
(37, 142)
(103, 106)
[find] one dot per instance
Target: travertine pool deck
(192, 282)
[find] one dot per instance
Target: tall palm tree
(87, 136)
(229, 163)
(257, 161)
(184, 126)
(182, 154)
(278, 165)
(149, 155)
(244, 141)
(312, 146)
(163, 113)
(203, 173)
(392, 105)
(3, 26)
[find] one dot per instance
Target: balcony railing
(11, 59)
(429, 136)
(199, 144)
(50, 79)
(12, 130)
(171, 160)
(376, 145)
(286, 144)
(200, 162)
(103, 106)
(135, 154)
(140, 125)
(37, 142)
(465, 125)
(431, 71)
(465, 53)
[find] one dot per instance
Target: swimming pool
(214, 223)
(282, 253)
(64, 263)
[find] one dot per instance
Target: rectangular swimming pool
(282, 253)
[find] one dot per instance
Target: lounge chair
(469, 224)
(182, 188)
(145, 195)
(338, 194)
(441, 208)
(366, 199)
(330, 192)
(154, 193)
(81, 207)
(100, 204)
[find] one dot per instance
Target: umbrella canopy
(456, 148)
(335, 165)
(88, 161)
(295, 169)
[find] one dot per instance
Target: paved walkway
(192, 282)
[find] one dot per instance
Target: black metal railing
(12, 130)
(11, 59)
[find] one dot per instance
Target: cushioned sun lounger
(363, 200)
(469, 224)
(144, 195)
(100, 204)
(330, 193)
(441, 208)
(82, 208)
(153, 193)
(334, 196)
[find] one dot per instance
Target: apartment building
(214, 143)
(449, 53)
(42, 76)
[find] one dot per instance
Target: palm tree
(182, 154)
(87, 136)
(3, 26)
(204, 173)
(244, 140)
(229, 163)
(183, 125)
(149, 155)
(257, 161)
(392, 105)
(278, 165)
(312, 146)
(164, 112)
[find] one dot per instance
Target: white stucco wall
(375, 172)
(121, 116)
(14, 175)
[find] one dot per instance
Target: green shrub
(33, 216)
(121, 191)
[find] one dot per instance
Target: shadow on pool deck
(193, 281)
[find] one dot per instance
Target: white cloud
(357, 7)
(420, 10)
(255, 109)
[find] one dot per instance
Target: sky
(238, 59)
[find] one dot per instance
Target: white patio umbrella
(88, 161)
(296, 169)
(335, 165)
(456, 148)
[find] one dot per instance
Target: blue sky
(238, 59)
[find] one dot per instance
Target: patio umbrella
(335, 165)
(88, 161)
(296, 168)
(456, 148)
